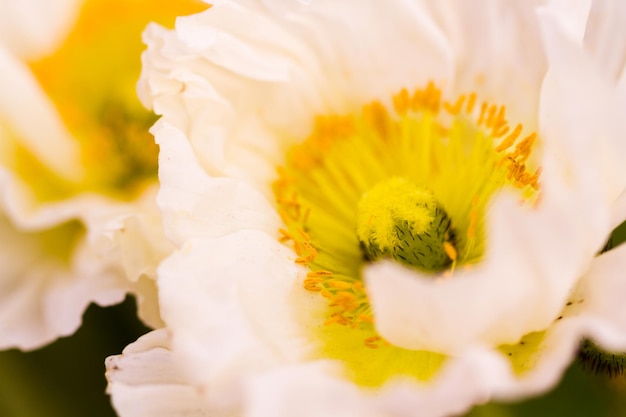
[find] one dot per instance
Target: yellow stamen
(470, 103)
(450, 250)
(372, 342)
(455, 109)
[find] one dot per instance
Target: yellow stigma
(400, 220)
(373, 184)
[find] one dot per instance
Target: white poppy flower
(78, 222)
(384, 208)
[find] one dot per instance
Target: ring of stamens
(318, 189)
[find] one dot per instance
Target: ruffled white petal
(135, 230)
(144, 381)
(202, 288)
(196, 205)
(136, 240)
(44, 294)
(41, 298)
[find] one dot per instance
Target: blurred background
(66, 379)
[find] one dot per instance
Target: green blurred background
(66, 379)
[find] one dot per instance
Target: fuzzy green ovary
(400, 220)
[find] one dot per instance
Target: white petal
(572, 16)
(134, 236)
(317, 389)
(603, 290)
(136, 230)
(43, 298)
(595, 311)
(619, 211)
(33, 28)
(196, 205)
(45, 295)
(497, 51)
(582, 114)
(605, 37)
(233, 114)
(281, 311)
(144, 381)
(308, 390)
(201, 289)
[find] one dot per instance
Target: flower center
(409, 181)
(400, 220)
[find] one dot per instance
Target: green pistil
(400, 220)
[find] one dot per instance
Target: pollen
(402, 221)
